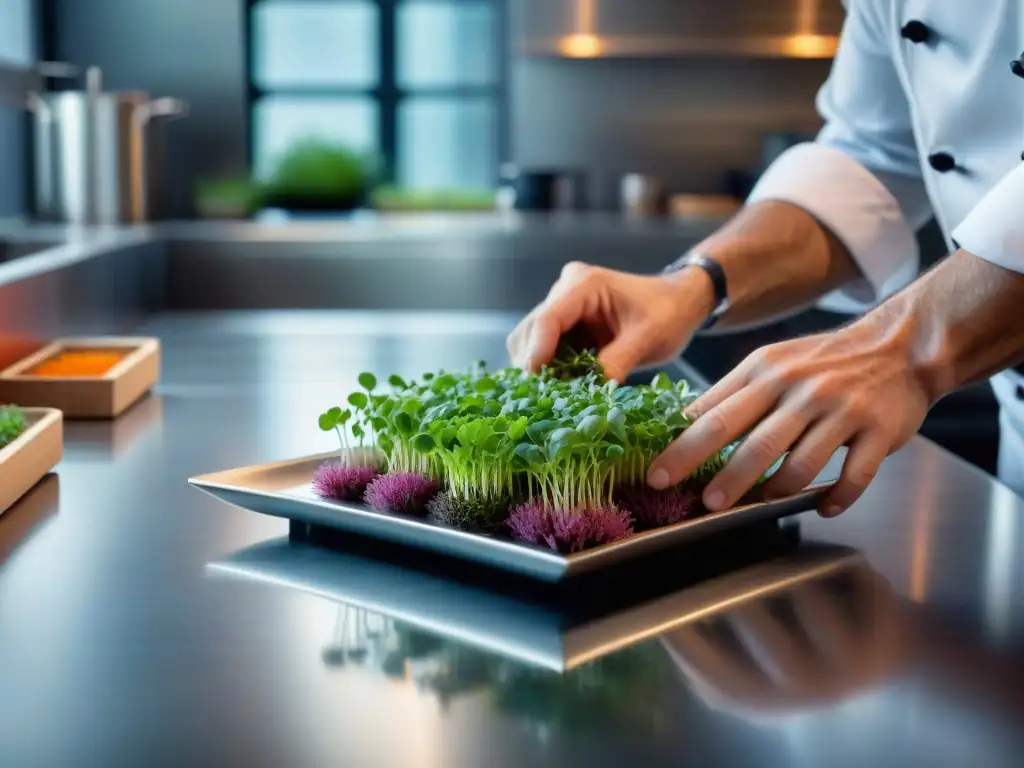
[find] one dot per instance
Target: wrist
(918, 341)
(695, 291)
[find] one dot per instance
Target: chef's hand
(636, 320)
(855, 387)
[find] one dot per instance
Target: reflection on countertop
(28, 514)
(108, 439)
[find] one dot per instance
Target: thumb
(623, 353)
(551, 322)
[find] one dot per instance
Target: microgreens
(12, 424)
(566, 438)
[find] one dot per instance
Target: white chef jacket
(898, 111)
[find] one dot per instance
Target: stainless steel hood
(656, 28)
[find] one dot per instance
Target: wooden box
(35, 452)
(85, 397)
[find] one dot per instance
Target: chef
(924, 117)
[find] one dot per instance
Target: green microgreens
(505, 434)
(12, 424)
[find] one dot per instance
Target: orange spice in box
(78, 362)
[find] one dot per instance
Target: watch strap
(718, 280)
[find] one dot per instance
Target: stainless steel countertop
(119, 647)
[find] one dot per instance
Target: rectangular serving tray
(85, 397)
(283, 489)
(537, 634)
(32, 455)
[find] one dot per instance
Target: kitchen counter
(121, 644)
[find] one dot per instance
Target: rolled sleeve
(856, 206)
(994, 229)
(861, 178)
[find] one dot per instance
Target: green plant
(319, 172)
(393, 198)
(12, 424)
(233, 197)
(564, 441)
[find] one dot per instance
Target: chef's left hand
(857, 387)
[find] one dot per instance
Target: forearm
(960, 323)
(777, 258)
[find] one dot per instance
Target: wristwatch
(714, 271)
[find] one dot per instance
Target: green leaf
(424, 443)
(517, 429)
(379, 423)
(412, 407)
(540, 429)
(367, 381)
(662, 382)
(358, 431)
(484, 385)
(614, 451)
(441, 383)
(344, 417)
(530, 454)
(428, 377)
(334, 412)
(396, 381)
(592, 427)
(403, 423)
(357, 400)
(561, 441)
(327, 422)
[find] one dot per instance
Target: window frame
(388, 94)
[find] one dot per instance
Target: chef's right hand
(635, 320)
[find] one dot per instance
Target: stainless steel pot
(99, 155)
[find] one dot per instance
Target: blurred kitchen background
(663, 110)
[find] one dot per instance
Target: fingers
(534, 342)
(756, 454)
(832, 633)
(622, 354)
(712, 671)
(725, 388)
(808, 458)
(775, 650)
(714, 430)
(866, 454)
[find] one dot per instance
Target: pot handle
(34, 102)
(166, 107)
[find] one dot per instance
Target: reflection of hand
(808, 397)
(817, 644)
(635, 319)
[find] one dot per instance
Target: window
(16, 32)
(421, 83)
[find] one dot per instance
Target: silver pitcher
(99, 154)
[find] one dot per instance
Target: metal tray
(283, 489)
(542, 635)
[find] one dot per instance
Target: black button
(1017, 67)
(942, 162)
(916, 32)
